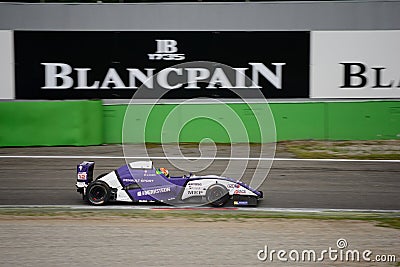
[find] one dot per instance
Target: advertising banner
(355, 64)
(113, 65)
(6, 65)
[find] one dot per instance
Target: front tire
(217, 195)
(98, 193)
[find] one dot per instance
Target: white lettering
(366, 255)
(219, 77)
(240, 77)
(166, 46)
(274, 79)
(112, 77)
(82, 79)
(162, 78)
(262, 254)
(282, 255)
(294, 255)
(57, 76)
(51, 75)
(196, 74)
(137, 74)
(154, 191)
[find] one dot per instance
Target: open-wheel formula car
(141, 182)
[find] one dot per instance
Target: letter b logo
(166, 46)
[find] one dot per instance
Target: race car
(140, 182)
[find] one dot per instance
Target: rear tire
(97, 193)
(217, 195)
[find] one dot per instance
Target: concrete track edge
(166, 208)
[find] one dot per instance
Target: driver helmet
(163, 171)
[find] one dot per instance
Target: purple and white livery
(141, 182)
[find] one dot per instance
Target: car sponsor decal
(153, 191)
(82, 175)
(240, 202)
(239, 191)
(195, 192)
(80, 184)
(194, 184)
(144, 180)
(129, 180)
(196, 188)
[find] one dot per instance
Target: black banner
(112, 65)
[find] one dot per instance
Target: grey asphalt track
(290, 184)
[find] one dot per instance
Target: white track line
(138, 207)
(190, 158)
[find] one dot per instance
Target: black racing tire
(217, 195)
(101, 175)
(97, 193)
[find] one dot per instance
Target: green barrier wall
(195, 122)
(364, 121)
(371, 120)
(49, 123)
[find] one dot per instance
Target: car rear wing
(84, 172)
